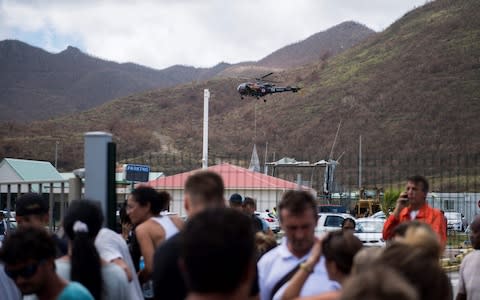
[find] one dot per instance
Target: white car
(270, 219)
(330, 222)
(379, 215)
(455, 221)
(369, 231)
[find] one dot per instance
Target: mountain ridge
(411, 92)
(36, 84)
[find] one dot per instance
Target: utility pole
(56, 153)
(206, 97)
(360, 163)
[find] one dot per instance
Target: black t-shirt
(61, 246)
(134, 249)
(167, 279)
(3, 230)
(257, 224)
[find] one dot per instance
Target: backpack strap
(284, 280)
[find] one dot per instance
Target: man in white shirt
(113, 248)
(298, 218)
(469, 281)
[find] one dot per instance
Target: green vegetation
(389, 200)
(457, 239)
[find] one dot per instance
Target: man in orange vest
(412, 205)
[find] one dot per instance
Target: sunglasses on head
(25, 272)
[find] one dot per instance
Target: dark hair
(218, 249)
(249, 201)
(264, 243)
(158, 201)
(349, 220)
(124, 218)
(85, 260)
(420, 268)
(296, 202)
(27, 243)
(31, 204)
(401, 229)
(206, 187)
(419, 179)
(341, 247)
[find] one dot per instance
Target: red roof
(234, 177)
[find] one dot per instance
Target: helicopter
(261, 88)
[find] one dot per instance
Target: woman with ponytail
(83, 264)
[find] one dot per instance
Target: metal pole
(299, 181)
(265, 168)
(335, 140)
(9, 205)
(360, 163)
(206, 96)
(56, 153)
(51, 204)
(111, 186)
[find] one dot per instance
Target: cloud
(200, 33)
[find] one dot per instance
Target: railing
(454, 181)
(55, 190)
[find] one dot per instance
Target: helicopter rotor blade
(265, 76)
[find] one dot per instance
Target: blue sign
(137, 173)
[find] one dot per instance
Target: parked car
(330, 222)
(379, 215)
(12, 226)
(10, 216)
(271, 220)
(331, 208)
(369, 231)
(455, 221)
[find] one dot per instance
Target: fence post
(51, 204)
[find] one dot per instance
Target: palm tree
(389, 200)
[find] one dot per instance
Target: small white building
(17, 171)
(14, 170)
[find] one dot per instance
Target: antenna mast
(335, 140)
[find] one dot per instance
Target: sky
(198, 33)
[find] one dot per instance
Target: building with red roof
(267, 190)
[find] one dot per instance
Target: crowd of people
(224, 251)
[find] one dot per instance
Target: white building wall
(266, 199)
(465, 203)
(7, 173)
